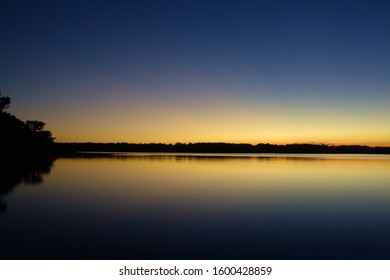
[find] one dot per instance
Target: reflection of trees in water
(19, 170)
(3, 206)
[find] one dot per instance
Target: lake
(192, 206)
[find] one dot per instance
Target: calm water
(153, 206)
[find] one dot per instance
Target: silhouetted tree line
(29, 137)
(19, 137)
(219, 148)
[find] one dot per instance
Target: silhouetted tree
(35, 126)
(4, 102)
(21, 137)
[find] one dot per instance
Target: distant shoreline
(65, 148)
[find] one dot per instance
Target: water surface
(165, 206)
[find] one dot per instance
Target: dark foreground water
(153, 206)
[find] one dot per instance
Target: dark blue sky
(218, 64)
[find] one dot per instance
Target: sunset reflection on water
(206, 206)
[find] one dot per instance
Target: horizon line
(228, 143)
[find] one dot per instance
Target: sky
(200, 71)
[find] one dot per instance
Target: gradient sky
(191, 71)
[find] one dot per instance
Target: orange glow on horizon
(217, 117)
